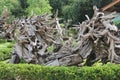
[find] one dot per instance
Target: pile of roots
(41, 40)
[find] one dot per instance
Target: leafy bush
(38, 7)
(5, 50)
(11, 6)
(37, 72)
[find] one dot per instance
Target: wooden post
(110, 5)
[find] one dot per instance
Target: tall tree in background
(38, 7)
(75, 10)
(10, 5)
(18, 8)
(58, 5)
(21, 11)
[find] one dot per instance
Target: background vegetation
(18, 8)
(67, 9)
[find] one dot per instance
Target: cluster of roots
(41, 40)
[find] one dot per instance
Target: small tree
(10, 5)
(38, 7)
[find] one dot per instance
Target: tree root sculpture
(97, 39)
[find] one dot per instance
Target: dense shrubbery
(38, 7)
(5, 49)
(37, 72)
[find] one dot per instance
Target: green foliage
(101, 3)
(5, 50)
(67, 9)
(18, 8)
(19, 12)
(50, 48)
(10, 5)
(37, 72)
(58, 5)
(38, 7)
(75, 10)
(117, 21)
(3, 41)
